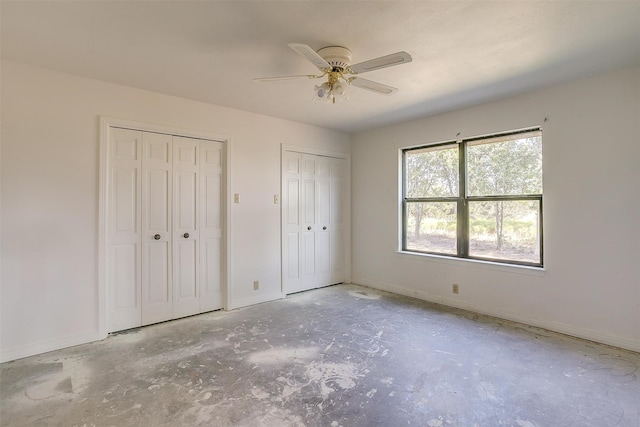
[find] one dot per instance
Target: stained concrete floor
(339, 356)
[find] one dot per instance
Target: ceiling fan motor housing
(336, 56)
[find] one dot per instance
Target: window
(478, 198)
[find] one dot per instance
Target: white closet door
(313, 221)
(211, 297)
(186, 251)
(165, 227)
(156, 225)
(124, 229)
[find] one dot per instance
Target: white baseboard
(588, 334)
(45, 346)
(244, 302)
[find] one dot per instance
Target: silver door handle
(324, 228)
(309, 228)
(157, 237)
(185, 235)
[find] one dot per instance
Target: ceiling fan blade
(382, 62)
(311, 55)
(275, 79)
(372, 86)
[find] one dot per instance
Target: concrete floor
(338, 356)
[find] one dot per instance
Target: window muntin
(496, 214)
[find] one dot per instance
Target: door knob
(324, 228)
(185, 235)
(309, 228)
(157, 237)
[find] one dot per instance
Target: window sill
(474, 263)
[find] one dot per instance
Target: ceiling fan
(335, 64)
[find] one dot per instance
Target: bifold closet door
(313, 221)
(316, 227)
(197, 226)
(164, 230)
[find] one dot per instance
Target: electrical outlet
(256, 285)
(236, 198)
(276, 199)
(455, 289)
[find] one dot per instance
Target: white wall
(49, 197)
(590, 286)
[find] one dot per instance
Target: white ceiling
(464, 52)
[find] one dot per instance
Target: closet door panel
(124, 229)
(160, 292)
(211, 186)
(124, 270)
(186, 286)
(291, 221)
(337, 219)
(292, 239)
(186, 163)
(156, 222)
(308, 231)
(124, 203)
(323, 222)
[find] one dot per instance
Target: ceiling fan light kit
(335, 88)
(335, 63)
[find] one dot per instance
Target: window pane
(431, 227)
(506, 230)
(432, 172)
(505, 165)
